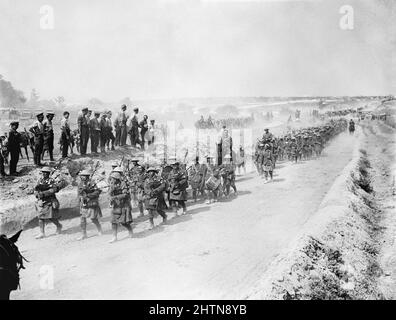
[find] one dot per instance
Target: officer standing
(88, 194)
(14, 140)
(83, 130)
(111, 137)
(154, 188)
(65, 134)
(134, 132)
(49, 135)
(120, 202)
(47, 205)
(38, 132)
(103, 132)
(120, 125)
(144, 128)
(94, 129)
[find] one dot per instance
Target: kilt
(48, 209)
(121, 215)
(155, 203)
(181, 196)
(92, 212)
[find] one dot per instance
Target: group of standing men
(40, 137)
(100, 130)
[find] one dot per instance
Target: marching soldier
(268, 162)
(83, 130)
(228, 170)
(178, 184)
(293, 149)
(213, 184)
(65, 134)
(88, 194)
(259, 155)
(47, 205)
(120, 203)
(138, 175)
(14, 139)
(351, 126)
(198, 175)
(49, 136)
(154, 188)
(37, 128)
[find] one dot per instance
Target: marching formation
(297, 145)
(166, 188)
(153, 189)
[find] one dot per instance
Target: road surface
(217, 251)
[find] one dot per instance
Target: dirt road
(217, 251)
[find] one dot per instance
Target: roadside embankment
(335, 256)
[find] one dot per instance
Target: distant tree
(9, 96)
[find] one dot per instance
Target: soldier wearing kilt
(228, 174)
(47, 205)
(259, 155)
(268, 163)
(212, 183)
(137, 185)
(120, 203)
(88, 194)
(198, 175)
(293, 147)
(154, 201)
(178, 184)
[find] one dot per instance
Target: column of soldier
(150, 188)
(297, 145)
(99, 129)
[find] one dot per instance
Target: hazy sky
(111, 49)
